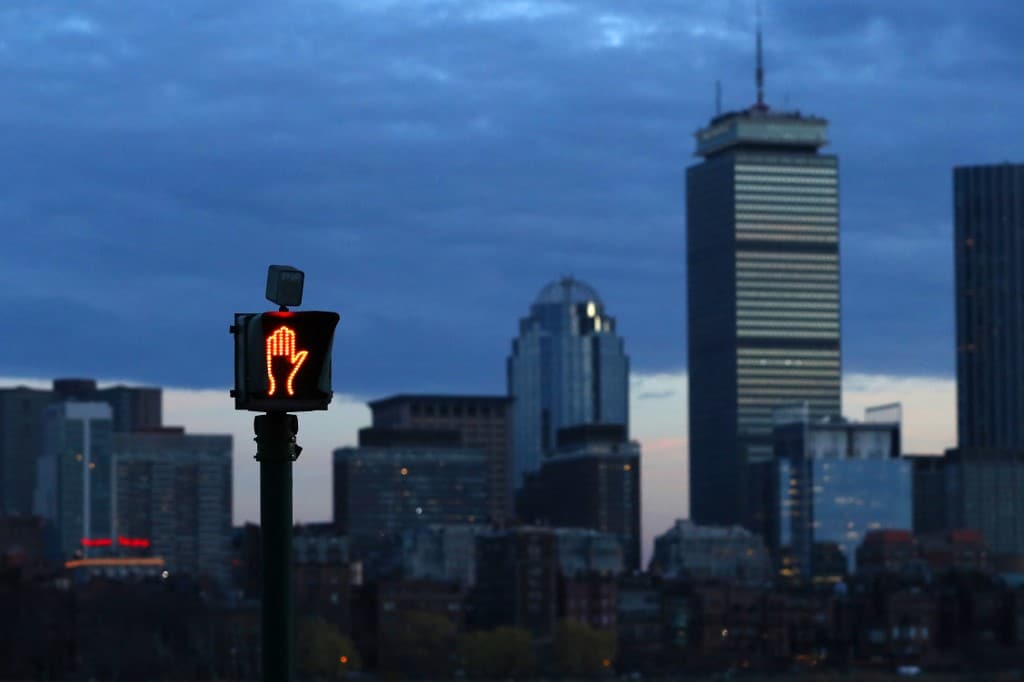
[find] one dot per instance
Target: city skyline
(656, 401)
(749, 222)
(908, 341)
(571, 151)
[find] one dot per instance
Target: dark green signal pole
(275, 451)
(282, 365)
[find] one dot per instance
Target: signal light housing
(283, 360)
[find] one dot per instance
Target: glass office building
(762, 237)
(567, 367)
(989, 255)
(74, 482)
(837, 480)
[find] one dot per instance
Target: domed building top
(567, 290)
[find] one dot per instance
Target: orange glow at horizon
(154, 562)
(282, 344)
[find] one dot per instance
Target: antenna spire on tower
(759, 72)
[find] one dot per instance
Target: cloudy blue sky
(432, 164)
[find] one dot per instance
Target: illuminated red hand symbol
(281, 344)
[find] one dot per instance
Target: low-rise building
(703, 553)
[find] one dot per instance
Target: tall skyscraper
(762, 238)
(567, 367)
(483, 422)
(989, 254)
(984, 476)
(172, 491)
(74, 483)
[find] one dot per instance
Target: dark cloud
(432, 165)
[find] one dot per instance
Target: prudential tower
(762, 242)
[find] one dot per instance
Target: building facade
(985, 492)
(592, 481)
(762, 244)
(483, 422)
(837, 480)
(568, 367)
(988, 219)
(172, 494)
(711, 553)
(930, 497)
(441, 553)
(21, 439)
(22, 415)
(74, 481)
(517, 580)
(379, 492)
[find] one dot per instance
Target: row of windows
(768, 365)
(777, 211)
(785, 184)
(788, 256)
(779, 311)
(801, 270)
(771, 321)
(809, 296)
(783, 303)
(808, 238)
(751, 267)
(785, 289)
(792, 378)
(788, 334)
(782, 227)
(788, 199)
(759, 277)
(799, 171)
(784, 354)
(769, 315)
(743, 215)
(786, 308)
(755, 396)
(818, 188)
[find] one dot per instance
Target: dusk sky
(432, 165)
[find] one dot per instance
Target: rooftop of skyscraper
(567, 290)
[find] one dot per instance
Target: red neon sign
(282, 344)
(121, 540)
(132, 542)
(97, 542)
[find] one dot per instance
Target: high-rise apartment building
(483, 422)
(762, 238)
(172, 493)
(988, 208)
(74, 481)
(567, 367)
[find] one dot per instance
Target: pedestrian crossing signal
(283, 360)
